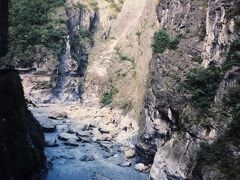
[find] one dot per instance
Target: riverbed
(82, 157)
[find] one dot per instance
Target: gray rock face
(172, 132)
(220, 30)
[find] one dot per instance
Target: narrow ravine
(84, 138)
(85, 149)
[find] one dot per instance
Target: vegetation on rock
(31, 24)
(162, 41)
(222, 151)
(202, 84)
(107, 97)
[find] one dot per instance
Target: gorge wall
(21, 140)
(21, 137)
(187, 119)
(181, 83)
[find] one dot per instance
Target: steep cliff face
(57, 75)
(21, 139)
(184, 104)
(119, 60)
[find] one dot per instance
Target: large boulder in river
(87, 158)
(58, 115)
(140, 167)
(21, 138)
(66, 136)
(48, 126)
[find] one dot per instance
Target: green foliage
(77, 45)
(138, 33)
(107, 97)
(202, 84)
(123, 57)
(93, 4)
(233, 56)
(30, 24)
(127, 107)
(234, 10)
(221, 151)
(197, 59)
(115, 6)
(162, 41)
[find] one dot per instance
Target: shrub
(107, 97)
(162, 41)
(114, 6)
(197, 59)
(93, 5)
(123, 57)
(221, 153)
(233, 56)
(31, 24)
(202, 84)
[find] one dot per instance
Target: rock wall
(4, 27)
(60, 79)
(21, 139)
(120, 58)
(173, 128)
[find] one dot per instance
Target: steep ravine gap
(82, 140)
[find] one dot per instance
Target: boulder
(129, 153)
(48, 126)
(101, 137)
(140, 167)
(57, 115)
(87, 158)
(86, 139)
(124, 164)
(67, 136)
(101, 130)
(84, 133)
(105, 145)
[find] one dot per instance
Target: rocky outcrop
(21, 139)
(173, 127)
(220, 30)
(59, 78)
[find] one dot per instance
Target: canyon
(132, 89)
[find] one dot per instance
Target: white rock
(129, 153)
(67, 136)
(140, 167)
